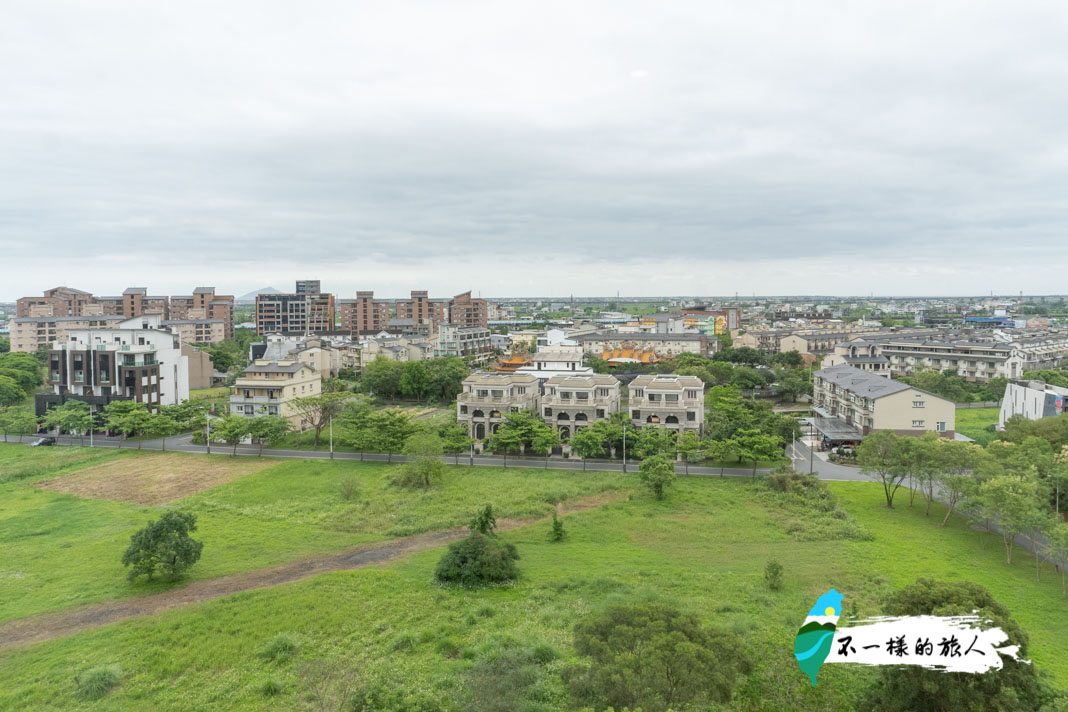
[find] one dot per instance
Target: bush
(655, 657)
(271, 687)
(773, 575)
(99, 681)
(544, 653)
(165, 546)
(557, 533)
(478, 560)
(279, 647)
(348, 487)
(501, 679)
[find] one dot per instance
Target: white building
(1032, 400)
(136, 360)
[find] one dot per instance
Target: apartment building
(467, 311)
(136, 359)
(859, 354)
(133, 302)
(849, 403)
(58, 301)
(364, 314)
(301, 312)
(977, 359)
(32, 332)
(202, 304)
(570, 403)
(308, 286)
(668, 400)
(732, 317)
(422, 309)
(396, 348)
(1032, 400)
(665, 345)
(198, 331)
(488, 397)
(464, 341)
(270, 387)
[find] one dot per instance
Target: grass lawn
(411, 643)
(220, 394)
(61, 550)
(973, 422)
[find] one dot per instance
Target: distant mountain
(251, 296)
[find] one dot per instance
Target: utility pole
(331, 438)
(207, 431)
(624, 447)
(812, 444)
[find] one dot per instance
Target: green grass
(704, 548)
(61, 551)
(973, 422)
(19, 461)
(221, 394)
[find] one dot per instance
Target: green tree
(454, 440)
(478, 560)
(691, 447)
(26, 363)
(25, 380)
(754, 446)
(652, 440)
(484, 521)
(557, 533)
(423, 466)
(74, 416)
(382, 377)
(319, 410)
(162, 426)
(788, 358)
(959, 468)
(588, 443)
(795, 382)
(5, 344)
(10, 391)
(720, 451)
(773, 575)
(125, 417)
(380, 431)
(521, 431)
(18, 421)
(415, 380)
(1057, 550)
(878, 457)
(1014, 502)
(745, 378)
(231, 429)
(163, 546)
(657, 472)
(268, 430)
(913, 688)
(445, 378)
(654, 657)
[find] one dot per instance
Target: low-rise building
(850, 403)
(858, 354)
(463, 341)
(570, 403)
(487, 398)
(667, 400)
(270, 387)
(136, 360)
(665, 345)
(561, 360)
(1032, 400)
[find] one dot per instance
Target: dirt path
(48, 626)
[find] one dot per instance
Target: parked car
(40, 442)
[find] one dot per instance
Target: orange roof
(619, 355)
(511, 363)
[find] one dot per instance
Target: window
(672, 397)
(600, 412)
(917, 404)
(918, 423)
(548, 411)
(691, 416)
(940, 426)
(482, 393)
(514, 409)
(463, 410)
(636, 414)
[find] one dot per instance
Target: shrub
(499, 681)
(544, 653)
(557, 533)
(271, 687)
(279, 647)
(478, 560)
(447, 647)
(773, 575)
(163, 545)
(348, 487)
(484, 522)
(404, 642)
(655, 657)
(99, 681)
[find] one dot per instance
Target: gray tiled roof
(637, 337)
(275, 368)
(863, 383)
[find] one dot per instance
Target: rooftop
(667, 380)
(863, 383)
(596, 379)
(500, 379)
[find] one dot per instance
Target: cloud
(510, 148)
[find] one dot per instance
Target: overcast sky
(541, 148)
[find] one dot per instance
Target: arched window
(653, 419)
(581, 416)
(563, 416)
(671, 419)
(478, 414)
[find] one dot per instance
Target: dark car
(39, 442)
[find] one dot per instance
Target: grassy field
(410, 645)
(61, 550)
(220, 394)
(974, 421)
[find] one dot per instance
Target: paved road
(184, 443)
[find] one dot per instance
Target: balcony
(242, 400)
